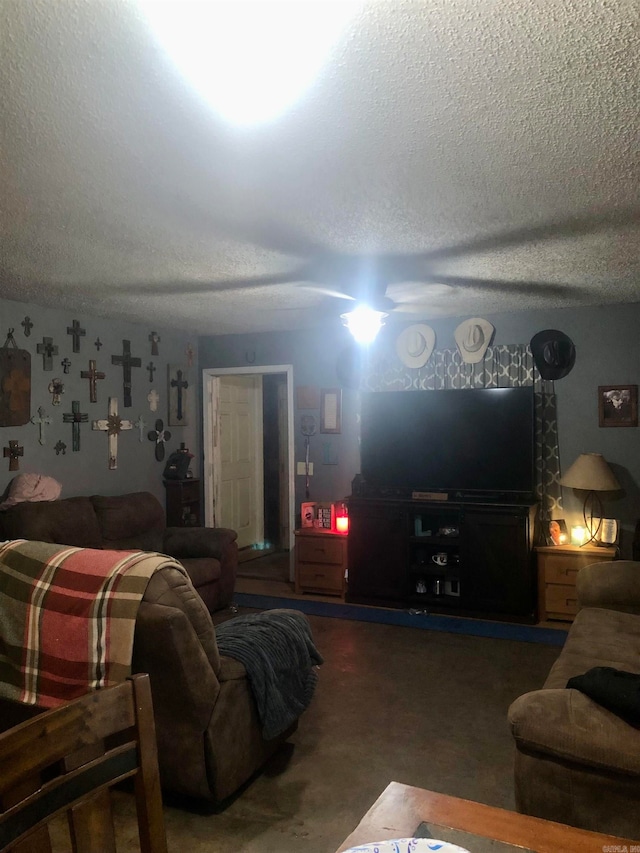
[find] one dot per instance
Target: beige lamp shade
(592, 473)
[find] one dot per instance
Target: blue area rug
(406, 619)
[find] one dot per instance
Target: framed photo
(558, 533)
(330, 410)
(618, 405)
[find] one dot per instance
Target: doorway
(248, 454)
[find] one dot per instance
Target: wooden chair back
(68, 758)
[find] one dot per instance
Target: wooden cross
(75, 417)
(189, 353)
(153, 397)
(155, 339)
(47, 350)
(60, 447)
(97, 344)
(42, 420)
(13, 453)
(140, 425)
(92, 374)
(179, 383)
(112, 425)
(127, 363)
(77, 333)
(152, 369)
(66, 364)
(27, 325)
(159, 435)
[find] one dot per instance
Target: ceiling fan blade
(223, 285)
(574, 226)
(328, 291)
(542, 287)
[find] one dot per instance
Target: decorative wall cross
(77, 333)
(97, 344)
(27, 325)
(56, 389)
(75, 417)
(153, 397)
(152, 369)
(47, 350)
(155, 339)
(13, 453)
(127, 362)
(140, 424)
(159, 435)
(42, 421)
(112, 425)
(66, 364)
(92, 374)
(190, 354)
(179, 384)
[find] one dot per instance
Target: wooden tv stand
(469, 559)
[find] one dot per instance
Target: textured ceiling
(494, 142)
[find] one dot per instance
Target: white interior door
(216, 514)
(241, 501)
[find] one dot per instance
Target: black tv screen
(460, 441)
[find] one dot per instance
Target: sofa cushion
(135, 520)
(598, 638)
(71, 521)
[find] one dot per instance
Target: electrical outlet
(302, 468)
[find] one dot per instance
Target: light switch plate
(302, 468)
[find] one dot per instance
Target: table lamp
(592, 474)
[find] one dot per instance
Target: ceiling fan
(375, 279)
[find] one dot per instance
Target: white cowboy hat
(415, 345)
(473, 337)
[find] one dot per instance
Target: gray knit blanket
(278, 652)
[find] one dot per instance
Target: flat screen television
(466, 442)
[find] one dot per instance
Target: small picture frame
(557, 533)
(330, 410)
(618, 405)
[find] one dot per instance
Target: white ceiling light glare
(364, 323)
(250, 60)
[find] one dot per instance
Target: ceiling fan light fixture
(364, 323)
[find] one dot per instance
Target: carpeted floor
(393, 703)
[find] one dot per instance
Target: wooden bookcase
(183, 503)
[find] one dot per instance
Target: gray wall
(606, 340)
(86, 471)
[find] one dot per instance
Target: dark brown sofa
(133, 521)
(576, 762)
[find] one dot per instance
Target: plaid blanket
(67, 618)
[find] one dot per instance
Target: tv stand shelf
(471, 559)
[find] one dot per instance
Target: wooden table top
(400, 809)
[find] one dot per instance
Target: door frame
(211, 448)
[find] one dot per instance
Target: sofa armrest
(186, 542)
(566, 725)
(613, 586)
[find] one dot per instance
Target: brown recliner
(207, 725)
(133, 521)
(208, 729)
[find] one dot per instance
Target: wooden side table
(320, 561)
(558, 567)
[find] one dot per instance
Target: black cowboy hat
(554, 353)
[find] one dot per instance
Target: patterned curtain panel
(505, 366)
